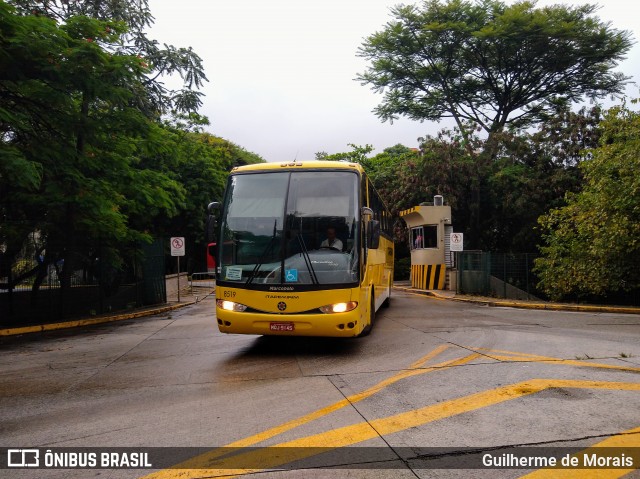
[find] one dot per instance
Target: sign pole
(456, 243)
(177, 249)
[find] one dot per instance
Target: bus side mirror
(214, 208)
(212, 221)
(373, 236)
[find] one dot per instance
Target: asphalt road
(433, 374)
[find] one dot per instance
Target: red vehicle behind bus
(211, 258)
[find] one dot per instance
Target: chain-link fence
(502, 275)
(511, 276)
(36, 290)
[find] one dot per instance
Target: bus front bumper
(348, 324)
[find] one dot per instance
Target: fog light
(230, 305)
(339, 307)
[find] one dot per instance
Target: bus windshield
(291, 228)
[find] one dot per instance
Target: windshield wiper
(307, 259)
(260, 262)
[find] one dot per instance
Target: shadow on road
(278, 346)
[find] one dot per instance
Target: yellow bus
(303, 249)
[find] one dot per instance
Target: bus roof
(300, 165)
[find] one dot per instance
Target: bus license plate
(281, 326)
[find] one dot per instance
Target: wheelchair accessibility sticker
(291, 275)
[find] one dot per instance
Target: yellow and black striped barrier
(428, 276)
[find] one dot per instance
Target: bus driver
(331, 241)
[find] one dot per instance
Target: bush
(402, 269)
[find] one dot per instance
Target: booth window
(424, 237)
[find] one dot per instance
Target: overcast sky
(281, 72)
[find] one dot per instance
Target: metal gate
(95, 287)
(153, 273)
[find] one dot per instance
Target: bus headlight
(230, 305)
(339, 307)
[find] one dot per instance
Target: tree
(441, 166)
(151, 95)
(67, 115)
(200, 163)
(358, 154)
(592, 245)
(531, 174)
(491, 64)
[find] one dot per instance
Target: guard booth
(429, 235)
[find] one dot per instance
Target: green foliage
(359, 154)
(592, 245)
(151, 96)
(532, 173)
(201, 165)
(402, 269)
(495, 204)
(82, 161)
(489, 63)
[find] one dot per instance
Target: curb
(539, 306)
(40, 328)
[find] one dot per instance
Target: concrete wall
(172, 283)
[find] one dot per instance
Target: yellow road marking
(512, 356)
(421, 362)
(409, 373)
(303, 448)
(428, 296)
(415, 369)
(511, 353)
(277, 430)
(571, 362)
(630, 438)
